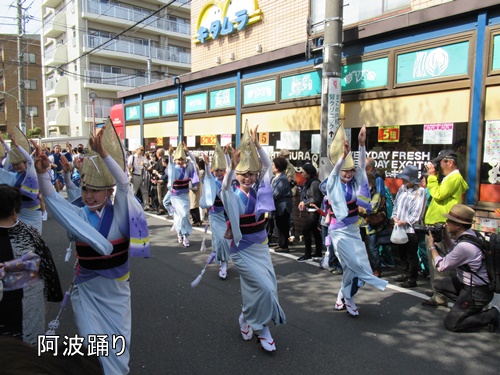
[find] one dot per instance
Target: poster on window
(491, 141)
(173, 141)
(225, 139)
(438, 134)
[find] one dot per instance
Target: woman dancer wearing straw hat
(347, 188)
(249, 248)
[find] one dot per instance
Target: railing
(127, 80)
(168, 53)
(117, 11)
(101, 111)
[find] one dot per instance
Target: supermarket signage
(221, 19)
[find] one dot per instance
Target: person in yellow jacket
(445, 195)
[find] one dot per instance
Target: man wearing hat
(469, 290)
(445, 195)
(408, 210)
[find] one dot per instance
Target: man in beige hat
(469, 287)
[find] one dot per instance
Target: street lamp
(93, 96)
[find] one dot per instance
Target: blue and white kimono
(249, 247)
(178, 183)
(27, 184)
(211, 199)
(344, 227)
(101, 292)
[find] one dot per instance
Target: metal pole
(20, 70)
(331, 76)
(93, 116)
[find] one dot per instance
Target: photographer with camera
(468, 288)
(408, 210)
(445, 195)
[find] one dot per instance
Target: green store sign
(152, 110)
(132, 113)
(260, 92)
(300, 86)
(365, 75)
(170, 107)
(196, 102)
(224, 98)
(432, 63)
(495, 64)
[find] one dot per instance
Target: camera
(435, 229)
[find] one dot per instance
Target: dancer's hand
(362, 136)
(42, 162)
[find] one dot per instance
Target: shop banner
(438, 134)
(207, 140)
(301, 85)
(444, 61)
(152, 110)
(388, 133)
(132, 113)
(365, 75)
(196, 102)
(169, 107)
(224, 98)
(259, 92)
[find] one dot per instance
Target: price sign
(159, 141)
(388, 134)
(264, 139)
(208, 140)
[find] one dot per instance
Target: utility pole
(20, 62)
(331, 78)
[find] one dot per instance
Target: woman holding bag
(408, 210)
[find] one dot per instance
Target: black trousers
(408, 253)
(467, 313)
(283, 225)
(311, 230)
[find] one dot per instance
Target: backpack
(491, 257)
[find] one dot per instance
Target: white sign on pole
(334, 88)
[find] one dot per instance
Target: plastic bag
(398, 235)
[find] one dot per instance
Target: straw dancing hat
(15, 156)
(179, 152)
(94, 173)
(219, 158)
(249, 157)
(2, 151)
(337, 150)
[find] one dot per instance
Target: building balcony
(58, 117)
(96, 80)
(56, 56)
(135, 51)
(117, 14)
(55, 25)
(56, 88)
(51, 3)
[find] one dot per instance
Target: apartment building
(93, 49)
(9, 84)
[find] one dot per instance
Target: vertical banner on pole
(334, 91)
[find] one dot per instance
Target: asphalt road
(178, 329)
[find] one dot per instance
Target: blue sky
(8, 16)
